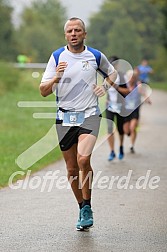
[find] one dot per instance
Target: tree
(41, 30)
(125, 44)
(163, 8)
(7, 50)
(135, 24)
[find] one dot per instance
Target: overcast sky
(80, 8)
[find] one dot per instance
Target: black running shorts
(134, 115)
(69, 135)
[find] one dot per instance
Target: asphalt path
(128, 198)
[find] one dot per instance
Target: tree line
(130, 29)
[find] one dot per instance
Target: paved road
(125, 219)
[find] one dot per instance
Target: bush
(9, 77)
(159, 66)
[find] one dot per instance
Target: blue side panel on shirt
(97, 55)
(57, 53)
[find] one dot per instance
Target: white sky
(80, 8)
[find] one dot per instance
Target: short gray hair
(73, 19)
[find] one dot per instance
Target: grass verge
(19, 130)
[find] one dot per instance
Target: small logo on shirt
(85, 65)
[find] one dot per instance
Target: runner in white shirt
(114, 107)
(74, 91)
(71, 72)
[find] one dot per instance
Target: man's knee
(72, 168)
(84, 163)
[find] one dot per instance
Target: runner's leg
(133, 126)
(70, 157)
(85, 146)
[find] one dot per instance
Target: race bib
(73, 118)
(131, 105)
(115, 107)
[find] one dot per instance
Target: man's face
(144, 63)
(75, 33)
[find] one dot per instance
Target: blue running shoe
(78, 225)
(121, 156)
(86, 217)
(121, 153)
(79, 222)
(111, 156)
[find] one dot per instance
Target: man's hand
(99, 90)
(60, 69)
(48, 87)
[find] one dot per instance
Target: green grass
(19, 130)
(159, 85)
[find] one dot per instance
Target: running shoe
(132, 150)
(86, 217)
(78, 225)
(121, 153)
(111, 156)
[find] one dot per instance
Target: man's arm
(48, 87)
(110, 81)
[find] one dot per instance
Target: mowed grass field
(159, 85)
(19, 130)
